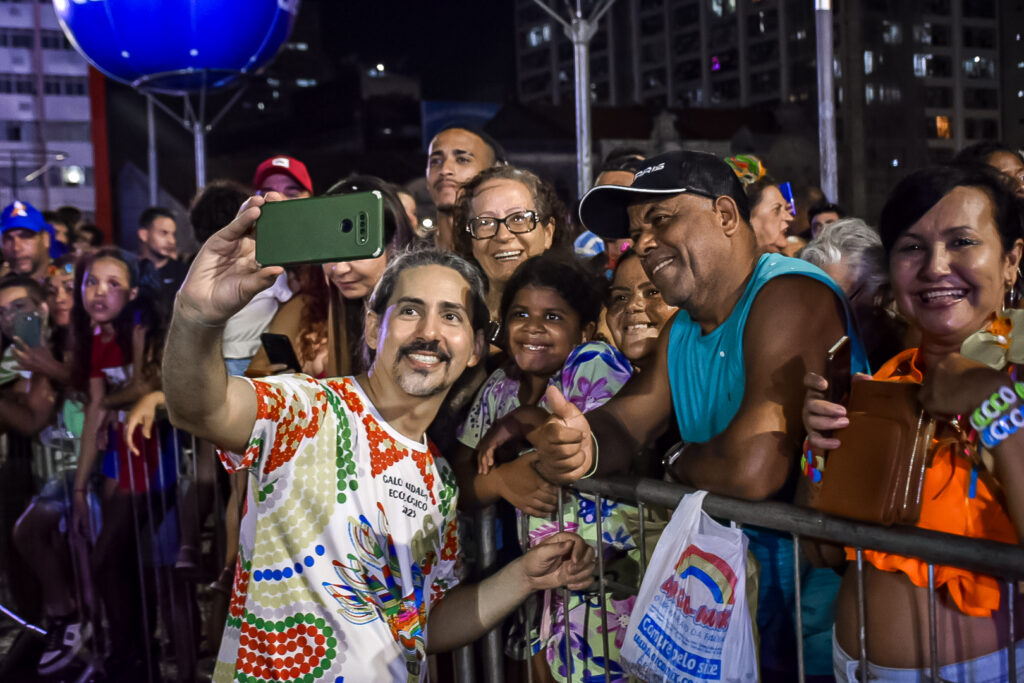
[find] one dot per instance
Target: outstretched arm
(468, 612)
(792, 324)
(201, 398)
(622, 427)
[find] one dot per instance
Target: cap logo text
(649, 169)
(281, 162)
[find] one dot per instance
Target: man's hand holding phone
(225, 275)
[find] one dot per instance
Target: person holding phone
(952, 239)
(324, 320)
(353, 549)
(27, 403)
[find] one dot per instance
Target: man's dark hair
(756, 189)
(53, 217)
(34, 289)
(500, 157)
(824, 207)
(979, 152)
(151, 214)
(215, 206)
(416, 258)
(917, 193)
(69, 216)
(91, 232)
(623, 159)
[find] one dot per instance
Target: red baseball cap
(293, 167)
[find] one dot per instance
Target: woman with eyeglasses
(504, 216)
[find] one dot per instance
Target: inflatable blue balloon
(176, 46)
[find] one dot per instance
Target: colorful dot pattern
(316, 458)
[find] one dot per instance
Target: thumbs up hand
(564, 443)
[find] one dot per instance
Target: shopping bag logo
(711, 572)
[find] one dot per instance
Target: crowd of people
(674, 323)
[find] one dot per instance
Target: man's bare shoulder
(795, 311)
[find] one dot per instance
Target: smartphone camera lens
(364, 232)
(346, 225)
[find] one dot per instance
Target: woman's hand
(143, 414)
(35, 359)
(958, 385)
(317, 365)
(521, 485)
(821, 416)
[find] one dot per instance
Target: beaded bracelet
(1000, 429)
(995, 406)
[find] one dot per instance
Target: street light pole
(580, 30)
(826, 101)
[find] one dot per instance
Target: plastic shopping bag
(690, 623)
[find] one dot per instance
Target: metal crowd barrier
(1001, 560)
(55, 456)
(995, 559)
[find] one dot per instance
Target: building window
(979, 8)
(892, 33)
(765, 83)
(765, 21)
(940, 7)
(869, 61)
(538, 35)
(723, 8)
(725, 91)
(928, 33)
(687, 71)
(938, 97)
(977, 36)
(981, 129)
(686, 16)
(938, 128)
(981, 98)
(932, 66)
(979, 67)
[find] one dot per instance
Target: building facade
(46, 155)
(915, 79)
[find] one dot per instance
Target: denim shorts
(990, 668)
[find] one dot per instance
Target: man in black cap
(730, 364)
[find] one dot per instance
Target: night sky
(461, 49)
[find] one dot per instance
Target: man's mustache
(433, 347)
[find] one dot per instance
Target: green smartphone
(346, 227)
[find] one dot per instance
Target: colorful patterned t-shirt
(347, 541)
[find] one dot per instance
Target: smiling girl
(549, 309)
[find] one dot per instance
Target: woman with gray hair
(851, 252)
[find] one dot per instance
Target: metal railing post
(799, 610)
(492, 650)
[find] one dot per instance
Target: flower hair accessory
(995, 345)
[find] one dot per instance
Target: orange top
(947, 506)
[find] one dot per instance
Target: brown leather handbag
(877, 474)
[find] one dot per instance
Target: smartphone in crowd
(837, 371)
(279, 350)
(345, 227)
(28, 327)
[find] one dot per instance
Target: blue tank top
(706, 372)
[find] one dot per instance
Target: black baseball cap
(603, 208)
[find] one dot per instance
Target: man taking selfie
(349, 559)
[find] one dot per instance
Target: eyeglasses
(486, 227)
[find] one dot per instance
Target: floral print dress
(592, 374)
